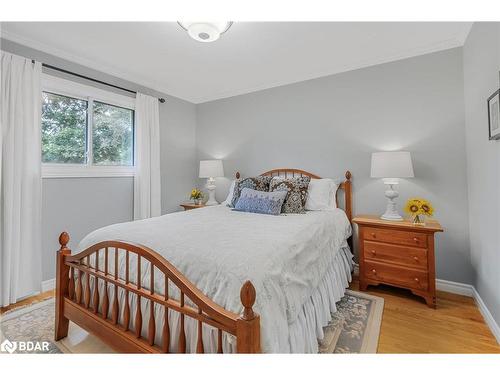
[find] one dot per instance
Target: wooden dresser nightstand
(191, 206)
(398, 253)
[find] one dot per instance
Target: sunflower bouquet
(418, 206)
(196, 195)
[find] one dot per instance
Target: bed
(217, 281)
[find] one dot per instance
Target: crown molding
(436, 47)
(457, 41)
(103, 68)
(465, 33)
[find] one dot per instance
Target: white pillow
(321, 194)
(230, 195)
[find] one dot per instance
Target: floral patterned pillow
(260, 183)
(297, 193)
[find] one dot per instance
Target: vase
(417, 220)
(197, 201)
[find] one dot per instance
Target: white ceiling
(249, 57)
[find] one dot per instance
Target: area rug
(354, 328)
(32, 324)
(35, 323)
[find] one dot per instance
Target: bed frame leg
(62, 283)
(248, 324)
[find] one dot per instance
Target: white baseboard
(470, 291)
(355, 269)
(454, 287)
(494, 327)
(48, 285)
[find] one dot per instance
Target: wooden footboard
(78, 299)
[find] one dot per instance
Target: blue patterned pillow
(260, 202)
(260, 183)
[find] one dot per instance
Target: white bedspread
(285, 257)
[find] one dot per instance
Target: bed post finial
(247, 296)
(348, 175)
(63, 240)
(248, 324)
(237, 175)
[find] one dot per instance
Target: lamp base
(391, 213)
(211, 193)
(396, 217)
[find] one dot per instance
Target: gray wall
(78, 206)
(84, 204)
(179, 159)
(481, 78)
(331, 124)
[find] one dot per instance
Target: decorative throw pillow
(260, 183)
(321, 195)
(230, 194)
(296, 189)
(261, 202)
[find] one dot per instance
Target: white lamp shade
(396, 164)
(211, 168)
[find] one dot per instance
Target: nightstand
(398, 253)
(191, 206)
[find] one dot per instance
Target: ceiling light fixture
(205, 31)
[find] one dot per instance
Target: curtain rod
(161, 100)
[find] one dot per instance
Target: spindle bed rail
(78, 298)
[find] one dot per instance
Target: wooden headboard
(346, 185)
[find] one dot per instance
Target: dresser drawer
(398, 237)
(395, 275)
(404, 255)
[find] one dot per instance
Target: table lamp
(390, 166)
(210, 169)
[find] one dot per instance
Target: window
(85, 131)
(112, 135)
(64, 129)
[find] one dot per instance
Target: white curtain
(147, 191)
(20, 178)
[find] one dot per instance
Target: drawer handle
(374, 271)
(374, 235)
(415, 259)
(415, 239)
(374, 252)
(417, 280)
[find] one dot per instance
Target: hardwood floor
(28, 301)
(409, 326)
